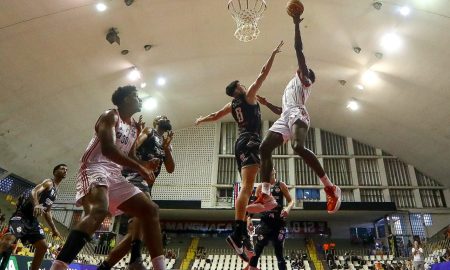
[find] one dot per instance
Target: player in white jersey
(101, 188)
(293, 125)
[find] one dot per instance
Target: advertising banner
(24, 263)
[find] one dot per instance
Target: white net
(247, 13)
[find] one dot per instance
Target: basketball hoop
(246, 13)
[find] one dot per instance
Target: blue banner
(24, 263)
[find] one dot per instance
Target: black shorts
(139, 182)
(26, 229)
(271, 230)
(247, 150)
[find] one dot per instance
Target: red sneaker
(333, 199)
(263, 203)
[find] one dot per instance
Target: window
(304, 175)
(432, 198)
(423, 180)
(417, 224)
(372, 195)
(368, 172)
(333, 144)
(224, 196)
(228, 133)
(6, 184)
(227, 171)
(282, 167)
(403, 198)
(362, 149)
(338, 169)
(397, 172)
(347, 195)
(399, 224)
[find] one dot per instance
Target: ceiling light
(134, 74)
(405, 10)
(150, 104)
(124, 52)
(113, 36)
(353, 105)
(147, 47)
(377, 5)
(360, 87)
(390, 41)
(143, 85)
(129, 2)
(357, 49)
(161, 81)
(101, 7)
(369, 77)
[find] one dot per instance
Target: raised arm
(106, 134)
(275, 109)
(253, 89)
(287, 196)
(169, 162)
(215, 115)
(299, 49)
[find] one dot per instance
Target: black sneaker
(238, 247)
(248, 247)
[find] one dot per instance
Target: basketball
(294, 8)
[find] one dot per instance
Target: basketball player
(24, 224)
(151, 145)
(102, 189)
(246, 112)
(293, 125)
(273, 224)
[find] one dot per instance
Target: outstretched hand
(277, 49)
(167, 140)
(261, 100)
(198, 120)
(140, 124)
(297, 19)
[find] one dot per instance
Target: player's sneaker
(263, 203)
(333, 199)
(236, 244)
(248, 247)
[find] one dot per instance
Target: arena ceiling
(57, 71)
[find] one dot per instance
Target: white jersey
(296, 94)
(125, 137)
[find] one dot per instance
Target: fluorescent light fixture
(404, 10)
(353, 105)
(391, 42)
(161, 81)
(369, 77)
(134, 74)
(101, 7)
(150, 104)
(143, 85)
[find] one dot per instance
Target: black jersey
(247, 116)
(151, 148)
(278, 196)
(25, 205)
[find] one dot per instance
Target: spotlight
(134, 74)
(377, 5)
(405, 10)
(113, 36)
(143, 85)
(129, 2)
(101, 7)
(369, 77)
(390, 42)
(150, 104)
(357, 49)
(161, 81)
(353, 105)
(147, 47)
(360, 87)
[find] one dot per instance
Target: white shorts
(287, 119)
(119, 189)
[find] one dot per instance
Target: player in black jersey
(246, 112)
(24, 224)
(152, 145)
(273, 224)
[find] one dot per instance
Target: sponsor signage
(293, 227)
(24, 263)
